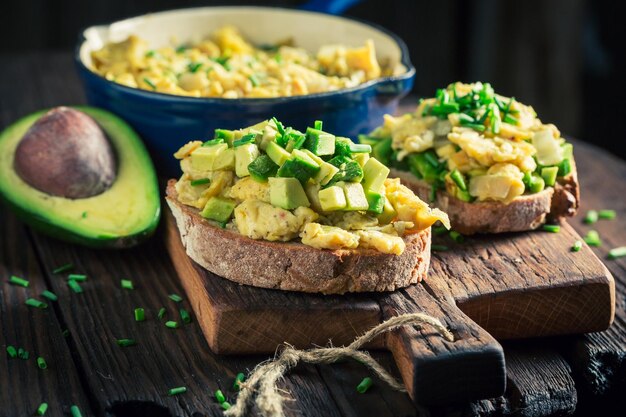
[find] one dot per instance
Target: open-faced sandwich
(485, 159)
(273, 207)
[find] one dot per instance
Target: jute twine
(262, 381)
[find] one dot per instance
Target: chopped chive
(184, 316)
(318, 125)
(41, 363)
(439, 248)
(41, 410)
(151, 53)
(607, 214)
(219, 396)
(593, 238)
(18, 281)
(127, 284)
(364, 385)
(63, 268)
(509, 119)
(84, 215)
(77, 277)
(49, 295)
(254, 80)
(181, 49)
(126, 342)
(75, 286)
(140, 314)
(11, 351)
(458, 179)
(35, 303)
(172, 324)
(238, 380)
(617, 252)
(440, 230)
(552, 228)
(23, 353)
(75, 411)
(194, 66)
(175, 297)
(161, 313)
(433, 192)
(65, 333)
(456, 236)
(577, 246)
(201, 181)
(591, 217)
(177, 390)
(225, 405)
(475, 126)
(150, 83)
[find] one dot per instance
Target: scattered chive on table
(161, 372)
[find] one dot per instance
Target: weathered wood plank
(23, 385)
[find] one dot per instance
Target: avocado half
(121, 216)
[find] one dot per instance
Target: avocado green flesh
(121, 216)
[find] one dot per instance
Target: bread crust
(293, 266)
(526, 212)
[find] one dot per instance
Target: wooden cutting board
(486, 289)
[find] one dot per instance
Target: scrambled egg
(328, 237)
(259, 220)
(411, 209)
(227, 65)
(502, 182)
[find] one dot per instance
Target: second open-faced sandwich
(274, 207)
(483, 158)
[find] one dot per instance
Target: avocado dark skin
(66, 154)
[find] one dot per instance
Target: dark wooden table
(583, 374)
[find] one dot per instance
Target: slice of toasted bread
(293, 266)
(526, 212)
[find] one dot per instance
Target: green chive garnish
(552, 228)
(578, 245)
(591, 217)
(63, 268)
(184, 316)
(177, 390)
(23, 353)
(194, 66)
(127, 284)
(75, 411)
(84, 215)
(318, 124)
(176, 298)
(150, 83)
(35, 303)
(439, 248)
(140, 314)
(254, 80)
(171, 324)
(65, 333)
(18, 281)
(162, 313)
(49, 295)
(593, 238)
(238, 380)
(75, 286)
(41, 410)
(201, 181)
(225, 405)
(77, 277)
(41, 363)
(364, 385)
(456, 236)
(607, 214)
(12, 352)
(219, 396)
(126, 342)
(617, 252)
(440, 230)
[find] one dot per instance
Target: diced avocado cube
(568, 150)
(319, 142)
(313, 156)
(227, 135)
(376, 201)
(368, 140)
(268, 136)
(278, 154)
(219, 209)
(244, 156)
(287, 193)
(203, 158)
(536, 184)
(355, 196)
(549, 175)
(262, 168)
(342, 146)
(382, 151)
(299, 166)
(326, 173)
(332, 198)
(361, 158)
(388, 214)
(257, 127)
(225, 161)
(374, 175)
(565, 167)
(349, 170)
(312, 192)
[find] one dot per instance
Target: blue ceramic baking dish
(166, 122)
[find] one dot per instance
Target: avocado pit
(65, 153)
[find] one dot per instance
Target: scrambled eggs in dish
(227, 65)
(276, 183)
(478, 145)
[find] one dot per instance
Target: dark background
(565, 57)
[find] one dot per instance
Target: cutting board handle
(434, 370)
